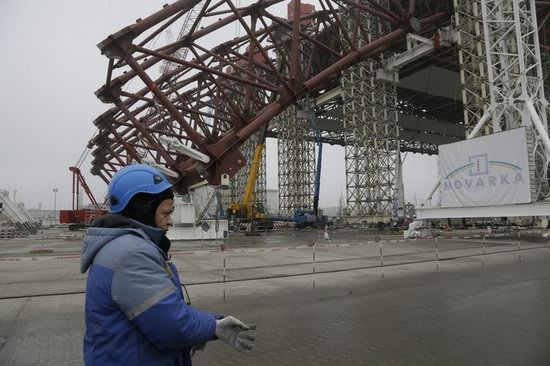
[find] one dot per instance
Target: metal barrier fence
(378, 254)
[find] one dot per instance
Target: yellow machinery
(245, 209)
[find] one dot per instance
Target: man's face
(163, 215)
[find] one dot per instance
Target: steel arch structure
(191, 116)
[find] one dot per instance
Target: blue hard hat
(134, 179)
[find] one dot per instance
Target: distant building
(46, 218)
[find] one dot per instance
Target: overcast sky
(50, 70)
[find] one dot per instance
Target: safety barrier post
(483, 256)
(222, 248)
(519, 247)
(312, 245)
(436, 254)
(377, 239)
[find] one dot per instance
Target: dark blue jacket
(135, 311)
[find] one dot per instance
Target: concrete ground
(431, 303)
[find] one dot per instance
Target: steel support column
(371, 134)
(296, 160)
(515, 76)
(472, 60)
(545, 58)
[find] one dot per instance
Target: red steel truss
(227, 87)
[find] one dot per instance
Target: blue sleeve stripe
(171, 324)
(137, 310)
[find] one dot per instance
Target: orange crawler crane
(79, 218)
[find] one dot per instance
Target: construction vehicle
(246, 211)
(79, 218)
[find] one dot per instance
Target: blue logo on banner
(477, 174)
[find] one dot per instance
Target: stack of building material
(21, 218)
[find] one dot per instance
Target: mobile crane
(78, 218)
(245, 211)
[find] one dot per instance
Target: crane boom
(78, 179)
(79, 218)
(253, 175)
(244, 210)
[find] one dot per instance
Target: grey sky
(50, 69)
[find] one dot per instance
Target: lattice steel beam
(516, 82)
(371, 133)
(472, 59)
(296, 161)
(217, 97)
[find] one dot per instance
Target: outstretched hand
(235, 333)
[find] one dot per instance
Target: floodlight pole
(55, 190)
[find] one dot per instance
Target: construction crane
(245, 210)
(79, 217)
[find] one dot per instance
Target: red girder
(78, 180)
(229, 87)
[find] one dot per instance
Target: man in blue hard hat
(135, 310)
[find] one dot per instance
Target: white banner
(485, 171)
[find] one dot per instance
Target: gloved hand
(234, 332)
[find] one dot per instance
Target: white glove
(234, 332)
